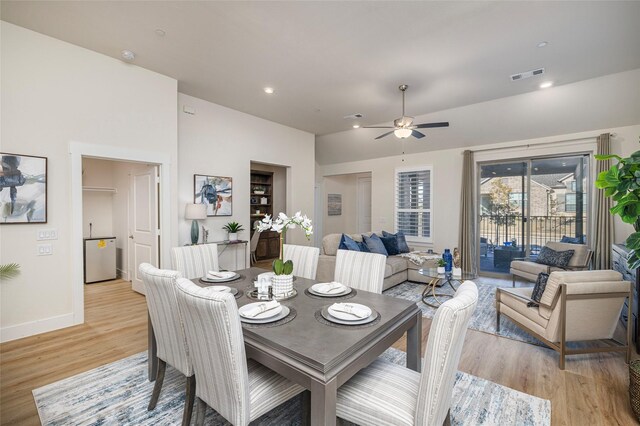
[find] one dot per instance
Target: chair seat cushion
(267, 389)
(508, 296)
(394, 265)
(529, 267)
(381, 394)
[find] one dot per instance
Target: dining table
(318, 355)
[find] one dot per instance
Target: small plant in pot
(282, 281)
(441, 265)
(233, 228)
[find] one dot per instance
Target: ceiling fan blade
(384, 134)
(377, 127)
(416, 134)
(431, 125)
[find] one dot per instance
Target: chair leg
(157, 387)
(188, 400)
(306, 408)
(447, 420)
(201, 408)
(497, 321)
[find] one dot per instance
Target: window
(515, 198)
(414, 189)
(570, 203)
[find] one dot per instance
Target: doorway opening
(523, 204)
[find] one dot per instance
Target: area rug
(484, 317)
(118, 394)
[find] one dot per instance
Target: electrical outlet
(45, 249)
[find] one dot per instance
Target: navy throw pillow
(363, 246)
(375, 244)
(551, 257)
(403, 247)
(348, 243)
(571, 240)
(538, 289)
(391, 245)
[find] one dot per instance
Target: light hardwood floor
(591, 391)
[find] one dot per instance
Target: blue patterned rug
(484, 317)
(118, 394)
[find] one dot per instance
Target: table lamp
(195, 212)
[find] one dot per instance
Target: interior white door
(364, 204)
(143, 221)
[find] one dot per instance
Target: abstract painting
(23, 189)
(334, 204)
(215, 192)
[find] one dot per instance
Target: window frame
(422, 168)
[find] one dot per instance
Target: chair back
(305, 260)
(581, 256)
(214, 335)
(160, 288)
(194, 261)
(253, 244)
(363, 271)
(444, 347)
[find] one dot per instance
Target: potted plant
(283, 280)
(233, 228)
(622, 183)
(441, 265)
(8, 271)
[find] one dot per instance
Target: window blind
(413, 203)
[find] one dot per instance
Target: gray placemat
(288, 318)
(346, 296)
(321, 320)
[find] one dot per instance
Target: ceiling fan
(403, 127)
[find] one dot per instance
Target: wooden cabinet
(261, 204)
(619, 255)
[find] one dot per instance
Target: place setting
(330, 290)
(347, 315)
(216, 277)
(268, 313)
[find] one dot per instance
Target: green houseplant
(8, 271)
(622, 183)
(233, 228)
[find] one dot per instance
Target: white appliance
(99, 259)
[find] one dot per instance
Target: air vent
(353, 116)
(527, 74)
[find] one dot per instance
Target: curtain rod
(570, 141)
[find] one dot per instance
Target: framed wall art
(215, 192)
(23, 189)
(334, 204)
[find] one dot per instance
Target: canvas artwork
(23, 189)
(215, 192)
(334, 204)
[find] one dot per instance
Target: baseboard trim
(26, 329)
(121, 273)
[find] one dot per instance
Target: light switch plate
(47, 234)
(45, 249)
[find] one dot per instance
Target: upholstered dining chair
(240, 390)
(529, 270)
(167, 324)
(363, 271)
(305, 260)
(253, 245)
(387, 394)
(194, 261)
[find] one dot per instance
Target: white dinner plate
(228, 276)
(313, 290)
(350, 317)
(267, 314)
(326, 315)
(283, 314)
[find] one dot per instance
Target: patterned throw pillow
(538, 289)
(403, 247)
(391, 244)
(348, 243)
(375, 244)
(551, 257)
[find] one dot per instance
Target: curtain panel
(603, 236)
(467, 236)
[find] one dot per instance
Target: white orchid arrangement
(283, 223)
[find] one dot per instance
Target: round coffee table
(446, 278)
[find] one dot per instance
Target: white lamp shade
(402, 133)
(195, 211)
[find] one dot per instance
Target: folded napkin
(217, 275)
(351, 309)
(328, 288)
(262, 307)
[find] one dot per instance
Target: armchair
(529, 270)
(575, 306)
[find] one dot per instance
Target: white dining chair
(194, 261)
(363, 271)
(240, 390)
(387, 394)
(253, 245)
(304, 258)
(160, 288)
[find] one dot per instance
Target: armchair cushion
(517, 299)
(581, 254)
(551, 257)
(529, 267)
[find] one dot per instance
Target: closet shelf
(99, 189)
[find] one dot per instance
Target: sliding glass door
(525, 203)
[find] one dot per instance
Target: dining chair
(253, 245)
(160, 288)
(389, 394)
(240, 390)
(194, 261)
(305, 260)
(363, 271)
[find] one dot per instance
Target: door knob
(131, 236)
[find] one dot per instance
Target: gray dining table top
(319, 346)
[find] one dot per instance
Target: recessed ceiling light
(546, 84)
(268, 90)
(128, 55)
(160, 32)
(543, 44)
(356, 126)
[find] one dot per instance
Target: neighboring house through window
(414, 198)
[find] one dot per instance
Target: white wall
(347, 186)
(220, 141)
(53, 93)
(447, 177)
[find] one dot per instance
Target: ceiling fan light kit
(403, 127)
